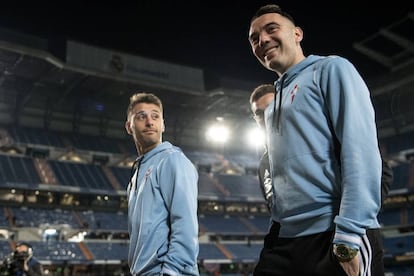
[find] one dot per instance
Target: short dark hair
(143, 97)
(22, 243)
(260, 91)
(28, 245)
(272, 8)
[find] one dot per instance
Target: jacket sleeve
(352, 115)
(179, 189)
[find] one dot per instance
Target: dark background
(211, 35)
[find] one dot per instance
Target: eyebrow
(146, 111)
(264, 28)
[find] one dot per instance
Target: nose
(149, 121)
(264, 38)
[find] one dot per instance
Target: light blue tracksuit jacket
(162, 214)
(323, 151)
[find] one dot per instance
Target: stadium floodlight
(256, 137)
(218, 133)
(50, 234)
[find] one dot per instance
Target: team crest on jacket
(144, 179)
(148, 172)
(293, 92)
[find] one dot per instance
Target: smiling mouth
(269, 51)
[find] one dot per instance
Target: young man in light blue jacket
(162, 197)
(324, 158)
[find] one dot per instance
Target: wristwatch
(344, 253)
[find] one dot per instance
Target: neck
(143, 150)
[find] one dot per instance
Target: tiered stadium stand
(232, 225)
(35, 217)
(392, 217)
(208, 187)
(114, 252)
(18, 170)
(244, 252)
(261, 223)
(85, 176)
(98, 220)
(225, 225)
(402, 176)
(5, 249)
(33, 136)
(97, 144)
(398, 143)
(204, 160)
(401, 245)
(59, 252)
(122, 175)
(211, 252)
(244, 187)
(4, 222)
(244, 160)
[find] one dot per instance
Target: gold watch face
(344, 253)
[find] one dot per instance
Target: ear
(298, 34)
(128, 127)
(163, 126)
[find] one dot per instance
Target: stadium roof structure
(72, 86)
(86, 89)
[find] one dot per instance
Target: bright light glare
(256, 137)
(78, 237)
(218, 134)
(51, 231)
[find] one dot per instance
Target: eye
(141, 116)
(272, 28)
(253, 39)
(155, 116)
